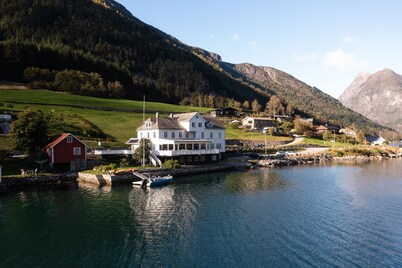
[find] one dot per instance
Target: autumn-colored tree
(360, 138)
(255, 106)
(274, 106)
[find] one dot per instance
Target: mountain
(97, 45)
(304, 99)
(377, 96)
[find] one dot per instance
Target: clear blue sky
(323, 43)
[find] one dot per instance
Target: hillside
(377, 96)
(104, 38)
(100, 48)
(302, 98)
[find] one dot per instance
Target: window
(173, 134)
(176, 147)
(196, 146)
(203, 146)
(202, 135)
(211, 135)
(147, 135)
(170, 147)
(187, 135)
(220, 135)
(77, 150)
(189, 146)
(192, 124)
(182, 147)
(165, 134)
(70, 139)
(199, 124)
(212, 146)
(218, 146)
(180, 135)
(154, 134)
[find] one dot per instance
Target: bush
(173, 164)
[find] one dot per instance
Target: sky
(324, 43)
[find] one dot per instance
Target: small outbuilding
(67, 153)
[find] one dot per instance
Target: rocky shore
(323, 158)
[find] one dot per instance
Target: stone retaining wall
(37, 180)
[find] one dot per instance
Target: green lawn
(60, 98)
(240, 134)
(321, 142)
(119, 125)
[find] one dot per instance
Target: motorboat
(151, 181)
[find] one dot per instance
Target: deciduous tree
(29, 131)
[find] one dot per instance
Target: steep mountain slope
(103, 37)
(304, 99)
(377, 96)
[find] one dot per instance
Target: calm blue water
(343, 216)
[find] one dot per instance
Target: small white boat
(152, 181)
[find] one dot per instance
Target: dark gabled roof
(60, 139)
(372, 138)
(212, 122)
(162, 123)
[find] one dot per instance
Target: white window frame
(76, 150)
(70, 139)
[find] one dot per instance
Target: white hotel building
(188, 137)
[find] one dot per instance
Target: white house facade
(188, 137)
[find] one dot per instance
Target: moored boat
(152, 181)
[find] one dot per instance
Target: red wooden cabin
(67, 151)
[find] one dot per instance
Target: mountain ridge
(377, 96)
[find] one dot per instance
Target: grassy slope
(119, 124)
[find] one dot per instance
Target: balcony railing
(186, 152)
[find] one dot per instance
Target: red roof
(59, 139)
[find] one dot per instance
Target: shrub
(174, 164)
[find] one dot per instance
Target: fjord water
(320, 216)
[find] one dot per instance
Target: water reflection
(241, 182)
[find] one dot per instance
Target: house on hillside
(67, 153)
(5, 122)
(324, 128)
(376, 140)
(189, 137)
(259, 123)
(348, 132)
(225, 112)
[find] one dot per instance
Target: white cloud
(347, 39)
(253, 45)
(211, 36)
(306, 57)
(236, 36)
(343, 61)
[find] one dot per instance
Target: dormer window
(199, 124)
(70, 139)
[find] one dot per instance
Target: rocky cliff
(377, 96)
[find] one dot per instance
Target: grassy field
(59, 98)
(240, 134)
(321, 142)
(119, 125)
